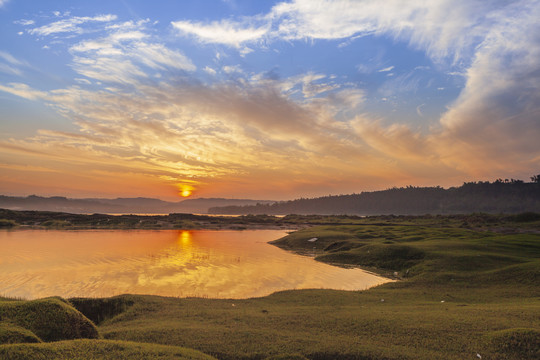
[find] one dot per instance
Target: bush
(5, 223)
(526, 217)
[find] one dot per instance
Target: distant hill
(120, 205)
(513, 196)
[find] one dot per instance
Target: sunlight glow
(185, 237)
(185, 190)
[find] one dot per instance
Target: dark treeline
(501, 196)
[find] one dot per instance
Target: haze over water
(202, 263)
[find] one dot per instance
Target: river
(180, 263)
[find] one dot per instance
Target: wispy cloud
(210, 70)
(70, 25)
(124, 53)
(23, 90)
(222, 32)
(442, 28)
(11, 65)
(386, 69)
(25, 22)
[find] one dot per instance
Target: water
(202, 263)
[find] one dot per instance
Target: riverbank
(14, 219)
(469, 288)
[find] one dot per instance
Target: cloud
(3, 2)
(8, 69)
(222, 32)
(11, 65)
(495, 118)
(386, 69)
(124, 53)
(443, 28)
(192, 131)
(11, 59)
(209, 70)
(70, 25)
(23, 91)
(25, 22)
(229, 69)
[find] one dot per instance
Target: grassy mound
(97, 349)
(383, 256)
(50, 319)
(12, 334)
(321, 237)
(516, 343)
(429, 253)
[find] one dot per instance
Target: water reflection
(220, 264)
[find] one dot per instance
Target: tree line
(499, 196)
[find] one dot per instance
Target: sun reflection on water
(185, 238)
(222, 264)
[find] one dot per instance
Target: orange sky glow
(295, 99)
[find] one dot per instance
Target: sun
(185, 190)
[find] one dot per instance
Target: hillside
(118, 206)
(513, 196)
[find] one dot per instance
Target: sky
(268, 100)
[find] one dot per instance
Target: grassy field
(469, 286)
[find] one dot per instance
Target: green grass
(97, 350)
(464, 290)
(325, 324)
(49, 319)
(12, 334)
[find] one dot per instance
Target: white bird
(478, 355)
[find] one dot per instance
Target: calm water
(204, 263)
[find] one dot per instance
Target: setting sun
(185, 190)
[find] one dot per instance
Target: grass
(12, 334)
(468, 286)
(49, 319)
(98, 350)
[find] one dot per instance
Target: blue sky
(266, 99)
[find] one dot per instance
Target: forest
(500, 196)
